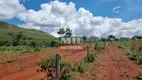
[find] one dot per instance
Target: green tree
(68, 32)
(103, 39)
(54, 43)
(61, 31)
(84, 38)
(65, 32)
(17, 38)
(111, 37)
(136, 37)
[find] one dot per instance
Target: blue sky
(97, 7)
(125, 10)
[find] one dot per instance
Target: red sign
(71, 46)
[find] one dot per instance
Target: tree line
(19, 39)
(68, 33)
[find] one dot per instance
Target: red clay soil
(136, 44)
(27, 61)
(25, 67)
(76, 56)
(114, 65)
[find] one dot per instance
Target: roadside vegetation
(15, 40)
(139, 77)
(9, 61)
(72, 70)
(133, 49)
(134, 52)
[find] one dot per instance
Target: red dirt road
(114, 65)
(12, 71)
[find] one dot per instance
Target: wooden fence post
(87, 49)
(57, 67)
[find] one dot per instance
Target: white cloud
(56, 14)
(115, 9)
(23, 1)
(10, 8)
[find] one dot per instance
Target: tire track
(114, 65)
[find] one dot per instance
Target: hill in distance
(6, 28)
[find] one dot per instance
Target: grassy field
(6, 28)
(132, 48)
(9, 51)
(73, 70)
(14, 40)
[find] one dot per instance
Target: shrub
(99, 46)
(11, 60)
(46, 44)
(17, 38)
(42, 78)
(139, 49)
(139, 60)
(2, 43)
(120, 46)
(66, 71)
(33, 44)
(18, 49)
(49, 65)
(54, 43)
(82, 67)
(37, 49)
(128, 50)
(139, 77)
(90, 58)
(22, 67)
(133, 56)
(134, 53)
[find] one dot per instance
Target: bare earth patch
(114, 65)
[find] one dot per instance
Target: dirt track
(114, 65)
(12, 71)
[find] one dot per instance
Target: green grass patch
(133, 52)
(70, 70)
(10, 61)
(139, 76)
(13, 50)
(22, 67)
